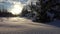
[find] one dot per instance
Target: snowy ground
(16, 25)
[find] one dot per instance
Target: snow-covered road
(17, 25)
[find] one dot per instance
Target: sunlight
(17, 8)
(12, 21)
(16, 19)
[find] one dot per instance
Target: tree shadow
(55, 23)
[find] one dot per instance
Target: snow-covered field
(17, 25)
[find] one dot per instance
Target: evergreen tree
(41, 9)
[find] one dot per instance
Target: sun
(17, 8)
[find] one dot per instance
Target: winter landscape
(29, 17)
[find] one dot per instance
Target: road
(17, 25)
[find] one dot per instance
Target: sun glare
(17, 8)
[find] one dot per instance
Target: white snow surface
(18, 25)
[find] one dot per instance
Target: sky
(22, 1)
(14, 5)
(8, 3)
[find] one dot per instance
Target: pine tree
(41, 9)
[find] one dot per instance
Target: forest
(43, 11)
(40, 11)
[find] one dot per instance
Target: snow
(55, 23)
(18, 25)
